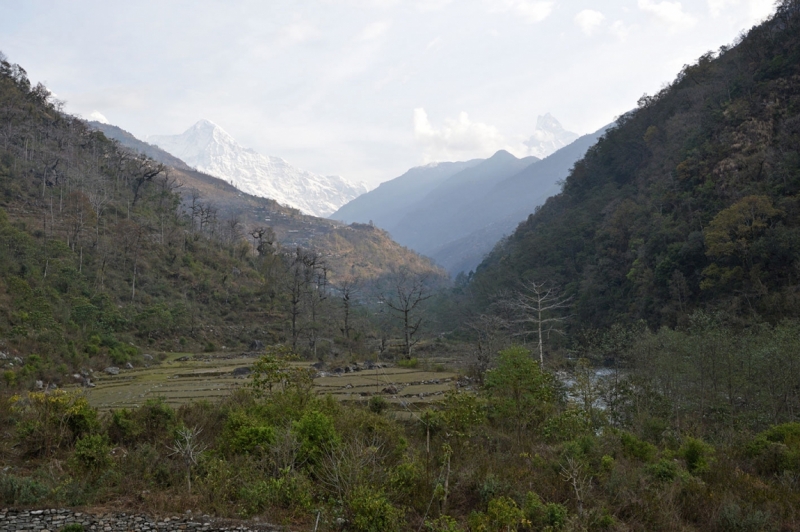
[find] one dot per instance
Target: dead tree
(537, 308)
(409, 291)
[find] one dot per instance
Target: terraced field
(183, 378)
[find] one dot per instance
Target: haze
(364, 88)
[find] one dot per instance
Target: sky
(365, 89)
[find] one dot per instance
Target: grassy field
(182, 378)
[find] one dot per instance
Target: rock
(128, 365)
(338, 370)
(39, 385)
(256, 345)
(318, 365)
(391, 390)
(112, 370)
(347, 369)
(242, 372)
(148, 357)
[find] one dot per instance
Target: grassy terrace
(182, 378)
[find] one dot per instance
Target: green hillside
(690, 202)
(106, 254)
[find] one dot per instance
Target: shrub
(777, 449)
(92, 453)
(316, 433)
(289, 491)
(244, 435)
(408, 363)
(633, 447)
(443, 523)
(665, 470)
(698, 455)
(370, 511)
(21, 490)
(378, 404)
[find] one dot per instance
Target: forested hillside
(690, 202)
(103, 259)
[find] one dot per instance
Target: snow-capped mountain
(549, 137)
(207, 147)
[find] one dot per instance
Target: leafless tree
(188, 448)
(537, 308)
(491, 333)
(409, 291)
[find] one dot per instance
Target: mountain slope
(497, 212)
(387, 204)
(440, 216)
(692, 201)
(210, 149)
(357, 250)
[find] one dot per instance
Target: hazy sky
(364, 88)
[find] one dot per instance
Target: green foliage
(698, 455)
(50, 421)
(370, 511)
(92, 453)
(377, 404)
(777, 449)
(443, 523)
(633, 447)
(408, 363)
(21, 490)
(245, 435)
(663, 470)
(519, 392)
(288, 491)
(273, 372)
(316, 434)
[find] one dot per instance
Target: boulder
(112, 370)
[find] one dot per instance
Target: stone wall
(56, 520)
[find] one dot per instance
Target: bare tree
(409, 291)
(537, 308)
(491, 333)
(348, 289)
(188, 448)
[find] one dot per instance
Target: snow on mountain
(207, 147)
(549, 137)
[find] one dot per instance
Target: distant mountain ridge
(456, 213)
(210, 149)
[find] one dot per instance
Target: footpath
(56, 520)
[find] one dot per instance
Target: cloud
(530, 10)
(670, 13)
(297, 33)
(374, 31)
(456, 138)
(97, 116)
(588, 20)
(619, 30)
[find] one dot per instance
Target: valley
(614, 344)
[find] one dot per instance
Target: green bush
(316, 434)
(777, 449)
(633, 447)
(245, 435)
(289, 491)
(370, 511)
(443, 523)
(664, 470)
(92, 453)
(21, 490)
(698, 455)
(408, 363)
(378, 404)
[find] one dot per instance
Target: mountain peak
(548, 137)
(209, 148)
